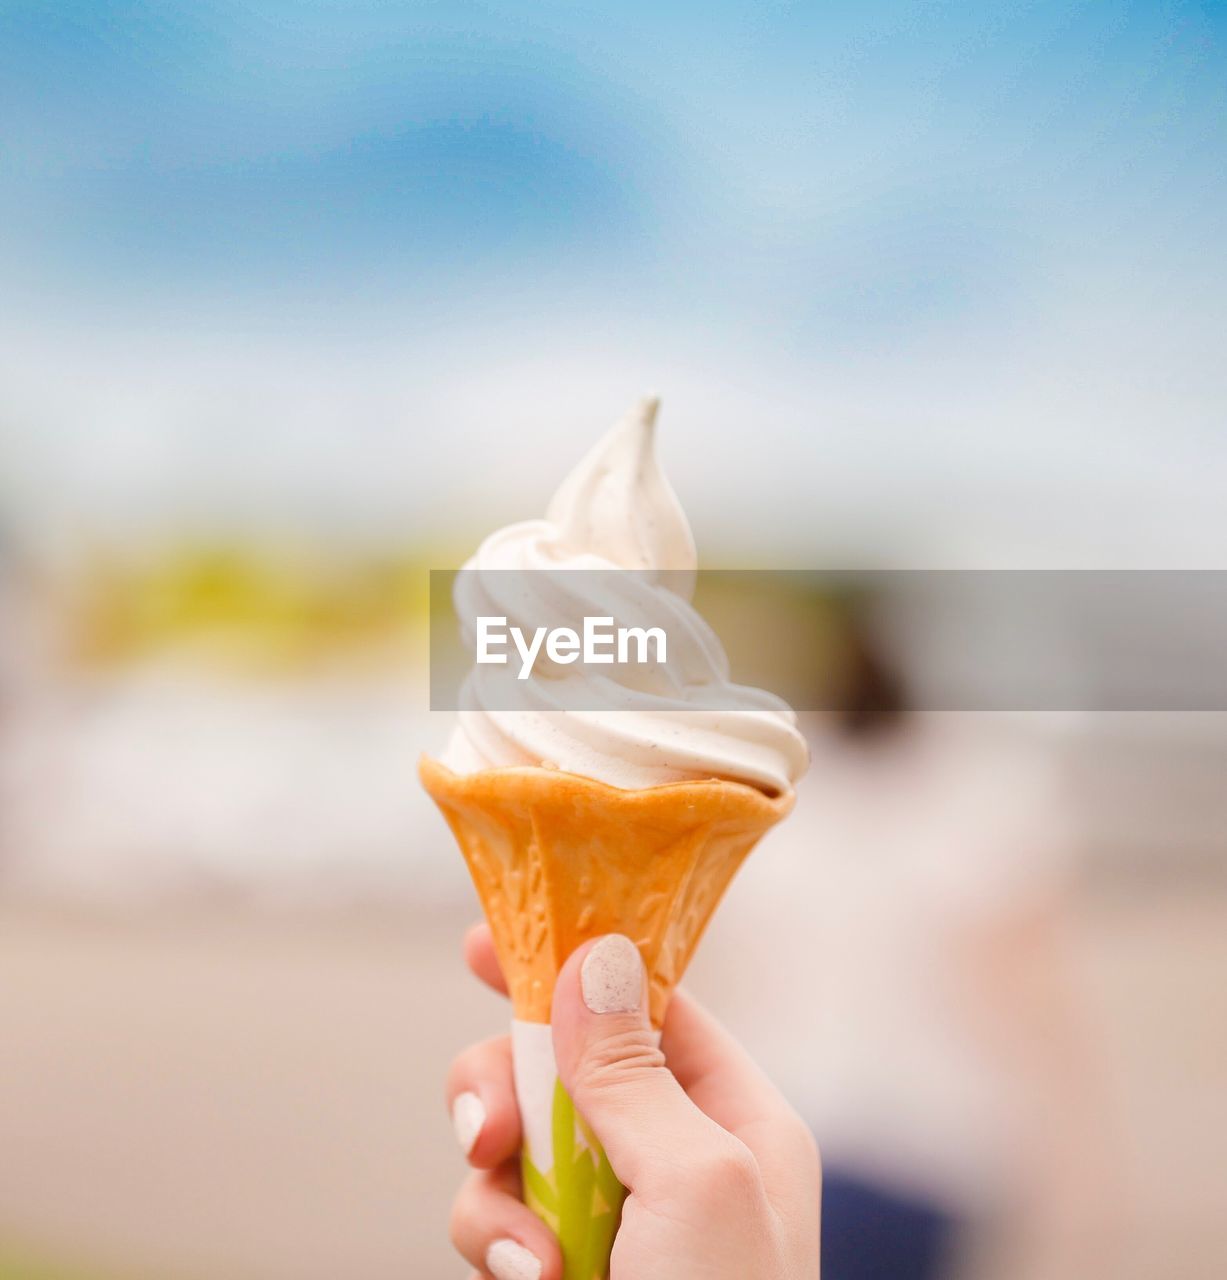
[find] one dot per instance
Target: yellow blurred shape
(248, 606)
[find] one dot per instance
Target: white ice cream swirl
(638, 725)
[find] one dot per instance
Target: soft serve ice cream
(552, 782)
(628, 725)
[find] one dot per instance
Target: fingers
(644, 1114)
(728, 1085)
(711, 1066)
(479, 955)
(497, 1234)
(482, 1103)
(608, 1058)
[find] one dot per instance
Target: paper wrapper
(558, 859)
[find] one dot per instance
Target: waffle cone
(558, 859)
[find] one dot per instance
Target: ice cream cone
(558, 859)
(590, 832)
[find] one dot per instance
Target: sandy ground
(220, 1095)
(225, 1095)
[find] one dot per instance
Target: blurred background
(301, 299)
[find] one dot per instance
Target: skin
(723, 1176)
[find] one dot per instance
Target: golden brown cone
(558, 859)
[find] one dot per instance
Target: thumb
(610, 1062)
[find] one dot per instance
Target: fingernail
(507, 1260)
(468, 1118)
(611, 977)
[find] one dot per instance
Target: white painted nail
(507, 1260)
(468, 1119)
(611, 977)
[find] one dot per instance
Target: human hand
(722, 1176)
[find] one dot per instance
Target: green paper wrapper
(568, 1181)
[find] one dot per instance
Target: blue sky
(884, 220)
(261, 147)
